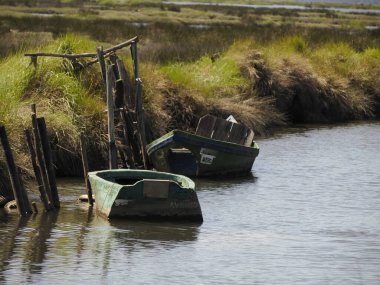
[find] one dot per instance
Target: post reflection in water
(8, 239)
(39, 231)
(26, 243)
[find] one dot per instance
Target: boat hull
(139, 194)
(192, 155)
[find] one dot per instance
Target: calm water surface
(309, 214)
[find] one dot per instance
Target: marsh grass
(70, 101)
(213, 77)
(323, 83)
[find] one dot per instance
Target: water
(309, 214)
(283, 6)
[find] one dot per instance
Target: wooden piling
(111, 119)
(48, 161)
(100, 56)
(19, 191)
(119, 94)
(114, 68)
(123, 74)
(128, 147)
(135, 70)
(40, 158)
(37, 170)
(135, 60)
(140, 123)
(85, 169)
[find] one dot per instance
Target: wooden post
(48, 161)
(135, 59)
(40, 158)
(37, 170)
(138, 105)
(140, 123)
(135, 69)
(19, 191)
(111, 119)
(119, 94)
(85, 169)
(115, 70)
(100, 55)
(127, 84)
(128, 147)
(131, 136)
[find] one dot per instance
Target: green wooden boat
(218, 148)
(144, 194)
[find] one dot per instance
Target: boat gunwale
(227, 146)
(95, 175)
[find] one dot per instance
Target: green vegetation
(69, 101)
(266, 67)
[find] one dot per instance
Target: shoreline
(267, 68)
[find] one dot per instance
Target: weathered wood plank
(37, 170)
(205, 126)
(85, 169)
(40, 158)
(132, 136)
(237, 134)
(83, 55)
(221, 129)
(119, 94)
(123, 73)
(48, 161)
(111, 119)
(102, 64)
(140, 123)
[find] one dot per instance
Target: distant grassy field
(178, 33)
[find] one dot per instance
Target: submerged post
(85, 169)
(40, 158)
(48, 161)
(37, 170)
(19, 191)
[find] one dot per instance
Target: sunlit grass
(69, 100)
(214, 78)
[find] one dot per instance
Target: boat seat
(154, 188)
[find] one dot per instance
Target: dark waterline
(308, 214)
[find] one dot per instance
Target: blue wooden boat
(219, 147)
(144, 194)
